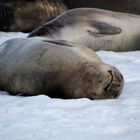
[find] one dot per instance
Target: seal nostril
(118, 84)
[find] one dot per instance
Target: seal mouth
(107, 88)
(113, 89)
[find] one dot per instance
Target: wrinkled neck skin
(76, 82)
(93, 80)
(86, 80)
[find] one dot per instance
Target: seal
(96, 28)
(26, 15)
(127, 6)
(57, 68)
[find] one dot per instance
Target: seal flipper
(103, 29)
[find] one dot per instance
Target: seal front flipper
(100, 29)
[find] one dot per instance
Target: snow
(43, 118)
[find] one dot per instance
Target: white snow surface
(43, 118)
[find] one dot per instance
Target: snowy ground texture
(43, 118)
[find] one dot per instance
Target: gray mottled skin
(97, 29)
(56, 68)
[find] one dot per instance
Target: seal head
(98, 82)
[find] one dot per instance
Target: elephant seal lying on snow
(59, 69)
(97, 29)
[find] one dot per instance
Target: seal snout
(115, 86)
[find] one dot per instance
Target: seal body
(97, 29)
(129, 6)
(26, 15)
(56, 68)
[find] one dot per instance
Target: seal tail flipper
(102, 29)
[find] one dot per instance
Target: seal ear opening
(102, 29)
